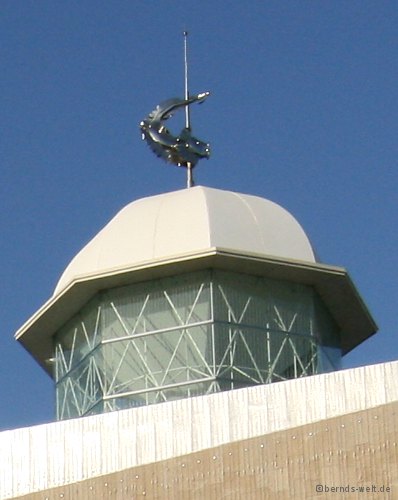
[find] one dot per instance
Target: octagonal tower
(189, 293)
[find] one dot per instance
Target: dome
(188, 221)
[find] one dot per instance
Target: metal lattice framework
(190, 335)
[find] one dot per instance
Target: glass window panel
(161, 304)
(329, 359)
(264, 330)
(327, 330)
(77, 338)
(263, 302)
(157, 360)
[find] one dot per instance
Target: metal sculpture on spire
(183, 150)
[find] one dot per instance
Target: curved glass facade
(190, 335)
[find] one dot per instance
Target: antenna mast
(190, 181)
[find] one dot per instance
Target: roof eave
(333, 284)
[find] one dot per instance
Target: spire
(190, 181)
(183, 150)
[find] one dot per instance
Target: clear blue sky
(303, 111)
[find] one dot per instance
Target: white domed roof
(187, 221)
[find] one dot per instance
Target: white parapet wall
(50, 455)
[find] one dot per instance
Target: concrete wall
(351, 456)
(61, 453)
